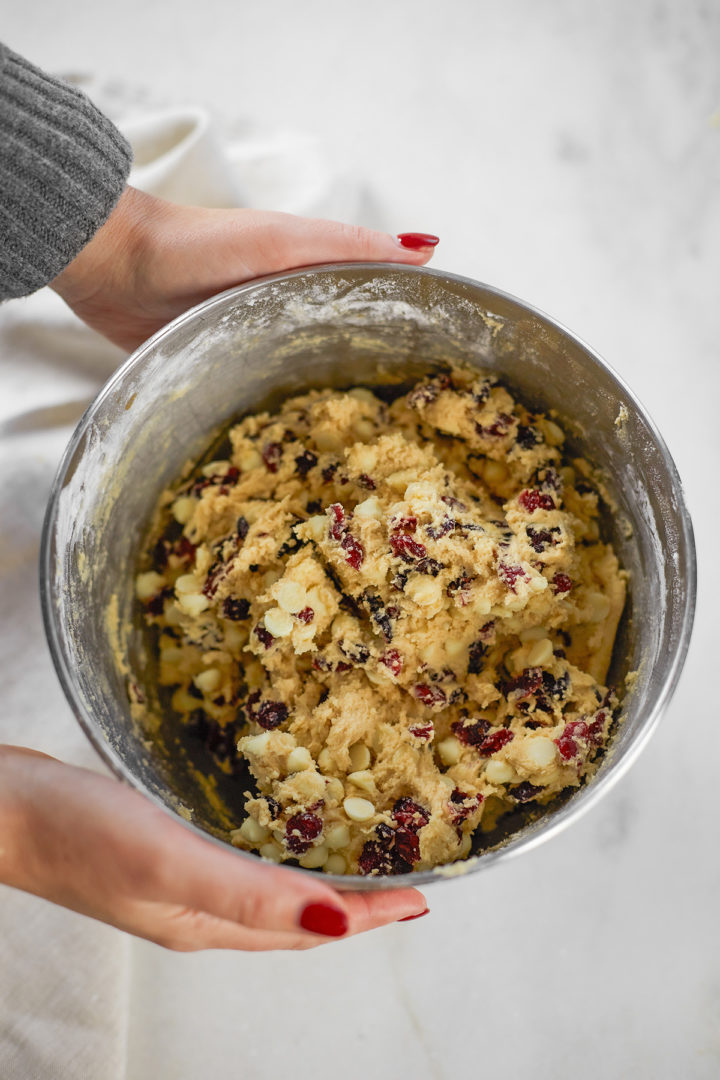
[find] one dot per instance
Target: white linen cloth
(64, 978)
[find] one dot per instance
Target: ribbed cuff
(63, 167)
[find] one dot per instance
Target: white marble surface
(569, 153)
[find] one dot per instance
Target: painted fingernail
(324, 919)
(409, 918)
(417, 240)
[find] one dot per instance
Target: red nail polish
(324, 919)
(416, 240)
(409, 918)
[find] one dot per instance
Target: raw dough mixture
(400, 616)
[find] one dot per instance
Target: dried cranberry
(459, 587)
(375, 858)
(405, 548)
(272, 455)
(242, 527)
(510, 575)
(555, 687)
(354, 551)
(405, 525)
(462, 805)
(160, 555)
(341, 666)
(366, 481)
(184, 549)
(532, 500)
(478, 651)
(314, 506)
(319, 663)
(156, 604)
(423, 732)
(435, 532)
(567, 741)
(527, 437)
(407, 845)
(526, 683)
(215, 575)
(525, 792)
(495, 741)
(328, 473)
(392, 661)
(301, 830)
(273, 806)
(422, 395)
(410, 814)
(431, 696)
(562, 583)
(452, 502)
(471, 732)
(540, 538)
(499, 427)
(264, 635)
(338, 521)
(305, 461)
(236, 608)
(271, 714)
(306, 615)
(429, 566)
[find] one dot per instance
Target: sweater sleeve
(63, 167)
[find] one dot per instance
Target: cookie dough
(400, 615)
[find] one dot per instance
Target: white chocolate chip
(359, 756)
(183, 509)
(537, 583)
(541, 653)
(447, 781)
(369, 508)
(398, 481)
(315, 857)
(554, 435)
(299, 759)
(208, 680)
(365, 429)
(271, 851)
(364, 780)
(338, 837)
(361, 393)
(257, 745)
(450, 750)
(425, 591)
(481, 605)
(540, 751)
(325, 760)
(193, 603)
(498, 772)
(146, 585)
(215, 468)
(533, 633)
(253, 831)
(249, 459)
(317, 526)
(358, 809)
(364, 458)
(278, 622)
(290, 596)
(186, 583)
(334, 788)
(335, 865)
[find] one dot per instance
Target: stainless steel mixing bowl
(340, 326)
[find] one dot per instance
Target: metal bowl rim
(577, 806)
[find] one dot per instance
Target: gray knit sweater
(63, 167)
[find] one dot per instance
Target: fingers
(276, 242)
(186, 929)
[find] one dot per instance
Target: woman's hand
(153, 259)
(97, 847)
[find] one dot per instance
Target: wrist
(14, 819)
(108, 262)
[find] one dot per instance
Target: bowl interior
(376, 325)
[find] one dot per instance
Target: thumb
(273, 242)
